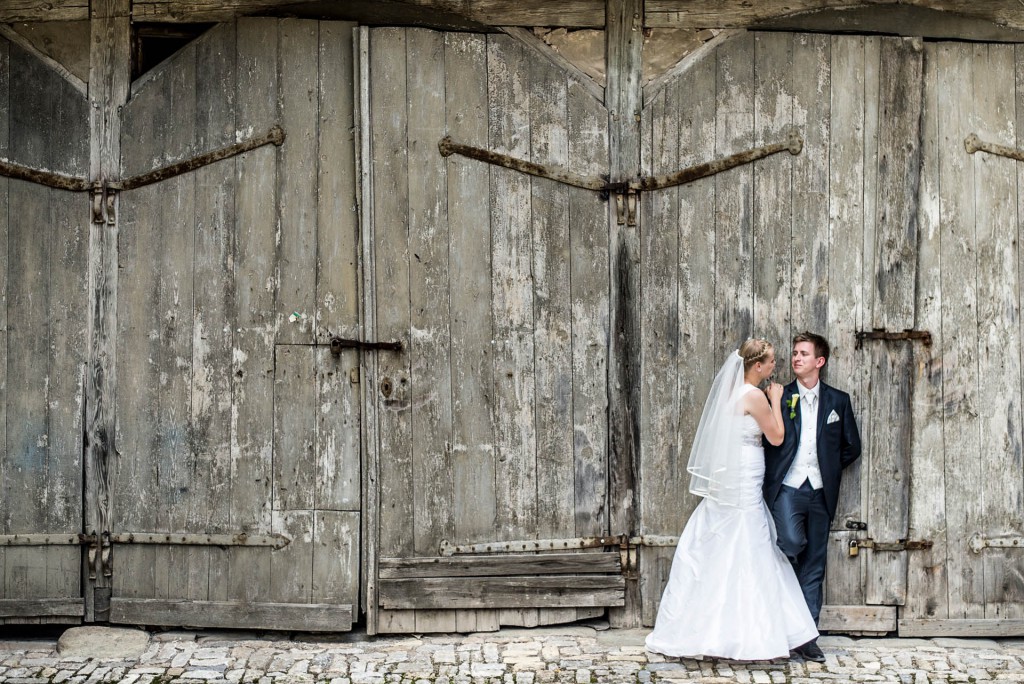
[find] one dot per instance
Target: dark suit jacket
(838, 444)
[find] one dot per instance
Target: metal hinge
(902, 545)
(979, 542)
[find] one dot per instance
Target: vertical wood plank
(28, 362)
(291, 580)
(926, 570)
(336, 557)
(391, 230)
(899, 165)
(961, 393)
(661, 471)
(337, 247)
(549, 202)
(295, 422)
(733, 195)
(470, 286)
(69, 272)
(624, 99)
(589, 282)
(773, 211)
(337, 416)
(5, 150)
(844, 575)
(512, 293)
(998, 280)
(473, 465)
(296, 245)
(254, 306)
(109, 75)
(812, 118)
(213, 325)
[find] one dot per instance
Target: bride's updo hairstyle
(753, 351)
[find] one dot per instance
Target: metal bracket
(973, 143)
(103, 204)
(339, 343)
(979, 542)
(882, 334)
(625, 191)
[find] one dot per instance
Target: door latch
(902, 545)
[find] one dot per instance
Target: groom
(801, 480)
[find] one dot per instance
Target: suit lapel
(824, 407)
(790, 390)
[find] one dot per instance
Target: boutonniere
(792, 405)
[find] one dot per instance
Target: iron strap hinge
(973, 143)
(884, 335)
(979, 542)
(625, 191)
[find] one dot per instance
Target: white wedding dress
(731, 592)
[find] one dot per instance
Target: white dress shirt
(805, 465)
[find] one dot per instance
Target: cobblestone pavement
(569, 654)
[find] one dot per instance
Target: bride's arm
(768, 415)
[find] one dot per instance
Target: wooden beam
(501, 565)
(623, 98)
(961, 628)
(297, 617)
(109, 70)
(30, 608)
(857, 618)
(562, 591)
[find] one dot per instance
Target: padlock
(854, 548)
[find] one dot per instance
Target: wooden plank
(336, 557)
(476, 566)
(337, 276)
(295, 422)
(5, 150)
(213, 326)
(512, 294)
(589, 281)
(430, 374)
(337, 465)
(69, 312)
(298, 52)
(469, 277)
(900, 103)
(857, 618)
(844, 582)
(845, 258)
(291, 580)
(493, 592)
(109, 74)
(999, 344)
(961, 400)
(313, 617)
(49, 607)
(961, 628)
(927, 596)
(391, 290)
(776, 194)
(337, 235)
(661, 476)
(810, 238)
(549, 203)
(253, 308)
(573, 73)
(624, 100)
(733, 194)
(28, 333)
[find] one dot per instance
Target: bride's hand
(774, 393)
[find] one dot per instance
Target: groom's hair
(821, 347)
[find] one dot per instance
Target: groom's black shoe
(810, 651)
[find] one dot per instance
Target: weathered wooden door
(813, 241)
(238, 428)
(967, 493)
(44, 122)
(491, 423)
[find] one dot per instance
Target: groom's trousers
(802, 523)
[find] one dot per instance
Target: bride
(732, 593)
